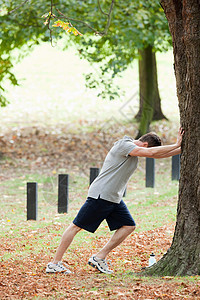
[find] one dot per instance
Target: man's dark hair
(151, 138)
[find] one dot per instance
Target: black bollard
(176, 167)
(63, 191)
(94, 172)
(32, 201)
(150, 172)
(124, 195)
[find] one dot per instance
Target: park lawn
(27, 246)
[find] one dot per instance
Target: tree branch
(103, 13)
(16, 8)
(109, 18)
(109, 14)
(76, 20)
(49, 20)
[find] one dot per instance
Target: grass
(138, 197)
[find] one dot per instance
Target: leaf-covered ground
(23, 274)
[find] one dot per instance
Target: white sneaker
(100, 264)
(57, 268)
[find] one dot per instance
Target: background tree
(184, 22)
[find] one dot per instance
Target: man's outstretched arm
(160, 151)
(171, 153)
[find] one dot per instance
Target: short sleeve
(125, 147)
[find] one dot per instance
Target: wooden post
(94, 172)
(32, 201)
(150, 172)
(63, 191)
(176, 167)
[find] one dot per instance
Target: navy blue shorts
(94, 211)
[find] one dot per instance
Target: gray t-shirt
(117, 168)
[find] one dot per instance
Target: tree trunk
(148, 86)
(157, 114)
(183, 257)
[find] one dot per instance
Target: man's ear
(145, 144)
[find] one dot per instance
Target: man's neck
(140, 144)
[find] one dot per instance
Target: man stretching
(105, 194)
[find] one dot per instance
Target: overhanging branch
(109, 18)
(76, 20)
(101, 10)
(16, 8)
(109, 15)
(49, 21)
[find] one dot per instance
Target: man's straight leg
(66, 240)
(85, 219)
(57, 266)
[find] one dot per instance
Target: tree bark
(183, 257)
(148, 87)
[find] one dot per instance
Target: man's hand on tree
(180, 136)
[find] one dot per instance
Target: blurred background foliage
(138, 30)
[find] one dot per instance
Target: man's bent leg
(66, 240)
(117, 238)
